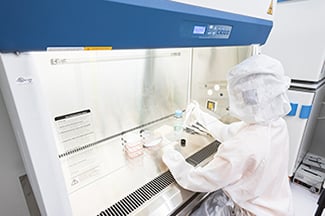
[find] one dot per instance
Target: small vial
(183, 142)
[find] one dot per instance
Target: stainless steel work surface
(104, 176)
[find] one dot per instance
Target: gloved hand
(207, 123)
(175, 162)
(172, 157)
(198, 120)
(192, 114)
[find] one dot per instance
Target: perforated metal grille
(204, 153)
(134, 200)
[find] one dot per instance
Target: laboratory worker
(249, 173)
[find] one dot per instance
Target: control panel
(205, 30)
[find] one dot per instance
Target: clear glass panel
(209, 76)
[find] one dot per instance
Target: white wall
(12, 201)
(298, 38)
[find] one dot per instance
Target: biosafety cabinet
(92, 88)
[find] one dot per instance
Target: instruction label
(75, 130)
(81, 168)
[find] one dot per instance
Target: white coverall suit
(251, 164)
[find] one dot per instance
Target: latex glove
(174, 160)
(198, 120)
(172, 156)
(192, 114)
(195, 118)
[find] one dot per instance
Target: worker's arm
(218, 129)
(218, 173)
(194, 115)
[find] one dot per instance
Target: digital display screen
(199, 30)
